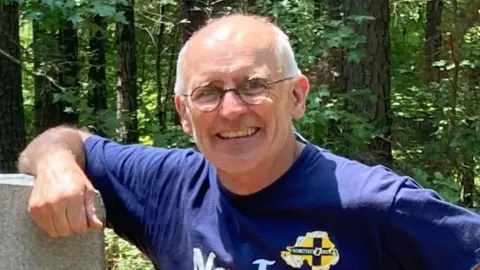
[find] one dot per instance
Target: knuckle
(70, 192)
(62, 229)
(33, 207)
(53, 207)
(64, 233)
(79, 228)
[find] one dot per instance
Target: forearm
(63, 143)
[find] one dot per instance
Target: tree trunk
(97, 98)
(68, 76)
(335, 60)
(468, 165)
(127, 77)
(12, 120)
(55, 52)
(218, 7)
(196, 14)
(432, 53)
(161, 97)
(373, 73)
(171, 74)
(433, 40)
(44, 49)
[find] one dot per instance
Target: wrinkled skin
(225, 54)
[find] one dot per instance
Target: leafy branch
(35, 73)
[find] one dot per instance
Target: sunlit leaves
(103, 10)
(356, 55)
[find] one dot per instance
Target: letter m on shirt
(200, 264)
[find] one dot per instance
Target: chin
(236, 163)
(238, 154)
(235, 166)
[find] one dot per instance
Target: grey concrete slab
(23, 246)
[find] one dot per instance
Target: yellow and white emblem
(315, 248)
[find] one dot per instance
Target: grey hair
(286, 61)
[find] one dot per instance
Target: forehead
(230, 64)
(230, 51)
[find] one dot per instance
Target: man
(256, 195)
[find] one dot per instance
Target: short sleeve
(123, 174)
(426, 232)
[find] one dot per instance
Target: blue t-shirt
(325, 212)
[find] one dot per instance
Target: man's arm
(426, 232)
(60, 141)
(61, 201)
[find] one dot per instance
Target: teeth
(237, 134)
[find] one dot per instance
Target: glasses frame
(236, 90)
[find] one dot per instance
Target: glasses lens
(254, 91)
(205, 98)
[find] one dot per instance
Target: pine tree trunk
(12, 122)
(127, 77)
(97, 98)
(433, 40)
(468, 164)
(45, 110)
(68, 76)
(373, 73)
(195, 12)
(55, 51)
(161, 97)
(432, 53)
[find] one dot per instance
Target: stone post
(24, 246)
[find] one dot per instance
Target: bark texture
(12, 129)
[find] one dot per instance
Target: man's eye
(255, 84)
(209, 92)
(205, 93)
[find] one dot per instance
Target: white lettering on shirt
(262, 264)
(200, 264)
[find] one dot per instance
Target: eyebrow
(250, 75)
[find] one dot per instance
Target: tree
(194, 14)
(55, 52)
(68, 75)
(12, 130)
(433, 40)
(97, 99)
(44, 48)
(127, 76)
(372, 72)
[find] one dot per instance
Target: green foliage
(121, 255)
(447, 187)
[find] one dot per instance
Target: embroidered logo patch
(315, 249)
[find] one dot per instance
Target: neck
(265, 174)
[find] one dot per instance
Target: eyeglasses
(254, 92)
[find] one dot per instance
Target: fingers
(75, 214)
(41, 217)
(61, 204)
(94, 221)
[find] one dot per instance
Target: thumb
(93, 220)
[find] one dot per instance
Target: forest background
(393, 82)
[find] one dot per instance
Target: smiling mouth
(238, 134)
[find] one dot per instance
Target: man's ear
(182, 111)
(299, 97)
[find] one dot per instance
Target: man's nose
(232, 105)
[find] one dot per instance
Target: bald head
(234, 30)
(234, 35)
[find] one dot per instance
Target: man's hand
(62, 199)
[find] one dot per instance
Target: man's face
(237, 137)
